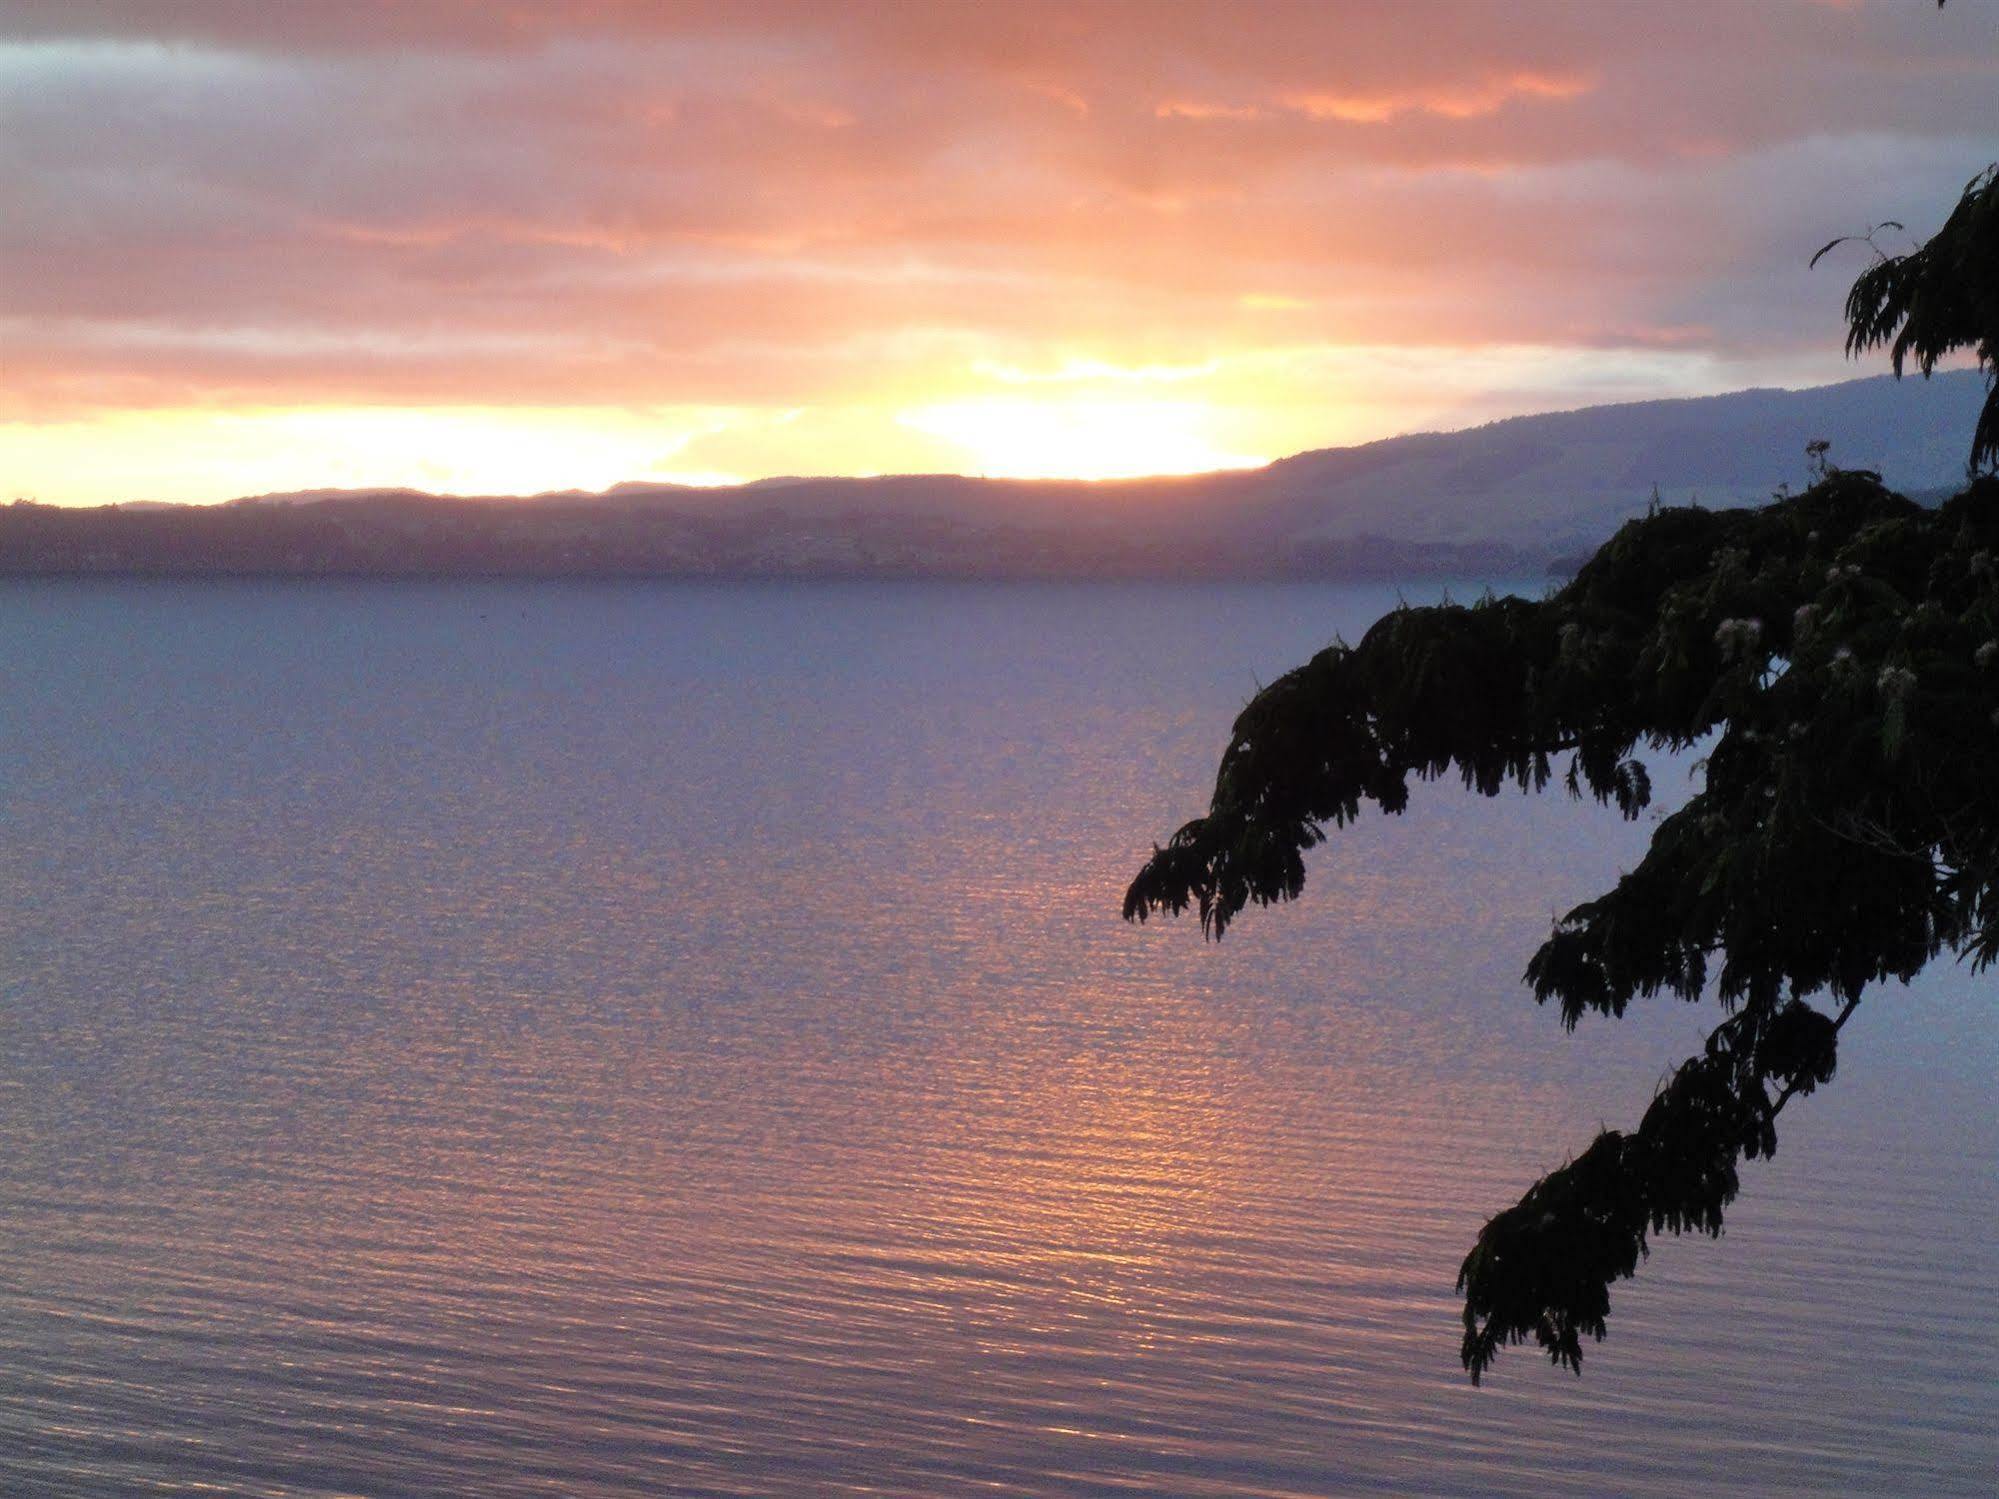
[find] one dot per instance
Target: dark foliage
(1838, 650)
(1842, 650)
(1936, 300)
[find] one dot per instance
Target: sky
(509, 247)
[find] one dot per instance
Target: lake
(631, 1039)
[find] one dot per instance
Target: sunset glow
(502, 248)
(1027, 439)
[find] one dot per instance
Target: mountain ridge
(1506, 496)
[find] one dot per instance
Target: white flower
(1895, 681)
(1735, 635)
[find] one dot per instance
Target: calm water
(628, 1040)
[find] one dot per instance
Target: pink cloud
(232, 200)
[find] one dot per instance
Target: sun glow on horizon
(1088, 438)
(1077, 414)
(197, 456)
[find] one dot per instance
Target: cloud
(1462, 103)
(857, 211)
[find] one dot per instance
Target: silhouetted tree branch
(1934, 301)
(1840, 647)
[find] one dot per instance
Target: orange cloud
(1378, 108)
(859, 212)
(1189, 109)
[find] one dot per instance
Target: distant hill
(1572, 477)
(1507, 498)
